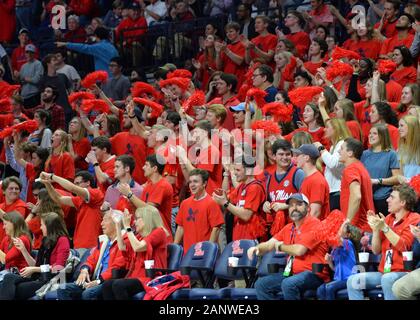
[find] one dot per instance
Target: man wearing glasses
(118, 86)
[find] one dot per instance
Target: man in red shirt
(129, 142)
(391, 9)
(314, 186)
(103, 162)
(316, 54)
(231, 58)
(134, 20)
(402, 38)
(199, 218)
(300, 241)
(264, 45)
(18, 55)
(87, 200)
(245, 202)
(295, 22)
(356, 196)
(202, 155)
(391, 237)
(157, 191)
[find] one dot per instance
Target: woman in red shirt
(14, 227)
(79, 145)
(284, 70)
(150, 243)
(54, 252)
(206, 63)
(11, 187)
(60, 161)
(410, 96)
(405, 72)
(365, 44)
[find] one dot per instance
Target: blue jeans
(74, 292)
(328, 290)
(356, 283)
(174, 213)
(292, 287)
(23, 18)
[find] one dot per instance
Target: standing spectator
(69, 71)
(314, 186)
(320, 15)
(316, 54)
(8, 20)
(199, 217)
(59, 81)
(118, 86)
(114, 17)
(206, 63)
(365, 44)
(19, 57)
(382, 164)
(409, 147)
(295, 22)
(154, 12)
(54, 251)
(79, 145)
(391, 237)
(247, 23)
(102, 50)
(24, 14)
(356, 197)
(405, 72)
(30, 75)
(84, 9)
(48, 103)
(262, 78)
(217, 7)
(42, 136)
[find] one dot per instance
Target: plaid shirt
(58, 120)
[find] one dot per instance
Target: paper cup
(363, 257)
(149, 264)
(233, 261)
(407, 255)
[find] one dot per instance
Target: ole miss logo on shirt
(279, 195)
(198, 252)
(236, 248)
(191, 214)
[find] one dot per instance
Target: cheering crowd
(282, 135)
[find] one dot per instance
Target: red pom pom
(182, 83)
(301, 96)
(5, 105)
(8, 90)
(94, 104)
(386, 66)
(280, 111)
(289, 70)
(79, 97)
(338, 69)
(157, 108)
(198, 98)
(242, 92)
(29, 126)
(415, 184)
(339, 53)
(257, 95)
(92, 78)
(181, 73)
(329, 227)
(269, 127)
(140, 88)
(6, 120)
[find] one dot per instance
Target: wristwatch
(96, 164)
(129, 229)
(226, 204)
(385, 229)
(129, 195)
(320, 148)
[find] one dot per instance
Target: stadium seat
(198, 263)
(246, 270)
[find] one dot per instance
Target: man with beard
(402, 38)
(303, 246)
(130, 143)
(48, 103)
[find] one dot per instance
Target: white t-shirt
(70, 72)
(159, 8)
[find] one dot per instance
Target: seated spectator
(104, 258)
(19, 57)
(365, 44)
(391, 236)
(75, 32)
(402, 38)
(408, 148)
(316, 54)
(54, 251)
(114, 17)
(410, 97)
(262, 78)
(303, 248)
(155, 12)
(405, 72)
(284, 70)
(149, 243)
(14, 227)
(199, 217)
(302, 79)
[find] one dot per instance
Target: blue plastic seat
(246, 270)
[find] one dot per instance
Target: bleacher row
(205, 264)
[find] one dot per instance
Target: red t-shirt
(265, 43)
(249, 196)
(231, 67)
(207, 62)
(316, 189)
(355, 129)
(14, 257)
(34, 226)
(358, 173)
(133, 145)
(81, 148)
(305, 235)
(393, 91)
(367, 49)
(402, 229)
(88, 223)
(389, 44)
(229, 122)
(405, 75)
(107, 167)
(317, 136)
(18, 206)
(139, 26)
(61, 165)
(31, 176)
(312, 66)
(198, 218)
(301, 41)
(388, 28)
(160, 194)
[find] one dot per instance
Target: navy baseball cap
(299, 197)
(307, 149)
(241, 107)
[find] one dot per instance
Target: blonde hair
(301, 137)
(82, 130)
(409, 147)
(286, 54)
(341, 131)
(151, 218)
(64, 146)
